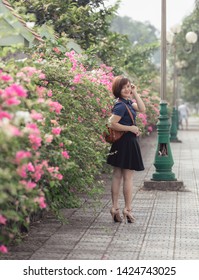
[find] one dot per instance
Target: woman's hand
(135, 130)
(138, 105)
(133, 90)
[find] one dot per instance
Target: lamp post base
(176, 140)
(164, 185)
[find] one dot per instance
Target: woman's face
(126, 90)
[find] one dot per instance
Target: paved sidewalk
(166, 227)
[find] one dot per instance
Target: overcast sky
(150, 10)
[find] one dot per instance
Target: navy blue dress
(125, 153)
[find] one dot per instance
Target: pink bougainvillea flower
(55, 107)
(2, 220)
(28, 184)
(21, 75)
(20, 91)
(15, 131)
(30, 167)
(56, 130)
(77, 79)
(35, 141)
(49, 93)
(38, 172)
(40, 100)
(4, 114)
(44, 163)
(59, 176)
(31, 185)
(21, 171)
(29, 70)
(40, 90)
(65, 154)
(41, 201)
(42, 76)
(36, 116)
(150, 128)
(3, 249)
(33, 128)
(5, 78)
(48, 138)
(12, 101)
(51, 169)
(20, 155)
(56, 50)
(14, 91)
(143, 118)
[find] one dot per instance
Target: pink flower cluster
(55, 106)
(12, 94)
(143, 118)
(2, 220)
(20, 155)
(34, 136)
(41, 201)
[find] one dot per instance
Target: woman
(124, 155)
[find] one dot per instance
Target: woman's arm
(114, 124)
(139, 105)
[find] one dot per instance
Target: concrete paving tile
(56, 248)
(86, 254)
(39, 255)
(16, 256)
(122, 255)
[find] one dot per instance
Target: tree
(189, 53)
(88, 22)
(136, 31)
(85, 21)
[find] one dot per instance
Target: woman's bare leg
(127, 187)
(115, 187)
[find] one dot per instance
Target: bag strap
(131, 115)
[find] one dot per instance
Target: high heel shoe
(128, 216)
(116, 215)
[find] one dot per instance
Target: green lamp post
(163, 178)
(163, 158)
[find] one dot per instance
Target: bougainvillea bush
(25, 172)
(53, 112)
(50, 151)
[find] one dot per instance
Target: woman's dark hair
(118, 84)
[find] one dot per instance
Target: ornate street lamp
(191, 38)
(163, 158)
(163, 178)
